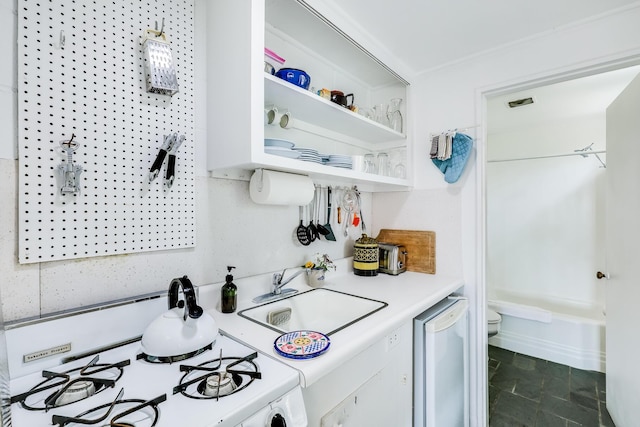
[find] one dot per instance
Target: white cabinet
(374, 388)
(239, 91)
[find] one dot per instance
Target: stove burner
(123, 413)
(220, 384)
(79, 390)
(218, 380)
(90, 379)
(171, 359)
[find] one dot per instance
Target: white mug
(286, 120)
(271, 115)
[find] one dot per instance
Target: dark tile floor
(531, 392)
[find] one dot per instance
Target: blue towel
(460, 151)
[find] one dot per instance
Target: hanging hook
(61, 41)
(161, 29)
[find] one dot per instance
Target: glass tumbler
(384, 166)
(370, 163)
(381, 114)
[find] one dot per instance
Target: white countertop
(407, 295)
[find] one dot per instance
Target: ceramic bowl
(295, 76)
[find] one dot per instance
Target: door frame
(480, 202)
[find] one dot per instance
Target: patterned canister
(365, 256)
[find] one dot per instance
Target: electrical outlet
(393, 339)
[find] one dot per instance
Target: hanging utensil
(348, 202)
(316, 211)
(301, 231)
(322, 230)
(312, 232)
(351, 205)
(364, 227)
(329, 236)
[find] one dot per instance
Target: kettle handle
(193, 310)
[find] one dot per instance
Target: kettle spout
(192, 309)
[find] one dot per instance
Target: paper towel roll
(280, 188)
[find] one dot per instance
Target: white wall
(231, 229)
(452, 97)
(545, 217)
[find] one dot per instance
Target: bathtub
(567, 333)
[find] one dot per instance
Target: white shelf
(323, 174)
(236, 131)
(311, 108)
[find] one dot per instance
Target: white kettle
(183, 331)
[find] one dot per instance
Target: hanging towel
(460, 151)
(434, 146)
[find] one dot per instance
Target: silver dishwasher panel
(441, 365)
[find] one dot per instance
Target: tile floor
(531, 392)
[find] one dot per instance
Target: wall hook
(161, 28)
(61, 40)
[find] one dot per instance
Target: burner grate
(172, 359)
(60, 389)
(222, 377)
(120, 412)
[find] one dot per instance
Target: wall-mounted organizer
(81, 72)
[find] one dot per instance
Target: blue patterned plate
(301, 344)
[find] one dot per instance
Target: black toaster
(392, 258)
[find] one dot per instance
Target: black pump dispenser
(229, 293)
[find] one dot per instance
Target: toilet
(493, 322)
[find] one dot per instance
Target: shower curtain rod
(579, 153)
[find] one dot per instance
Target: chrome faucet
(278, 283)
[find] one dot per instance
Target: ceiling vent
(520, 102)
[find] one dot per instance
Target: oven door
(288, 411)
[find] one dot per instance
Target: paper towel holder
(261, 188)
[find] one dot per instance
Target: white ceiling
(581, 97)
(425, 34)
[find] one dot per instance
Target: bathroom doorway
(545, 185)
(546, 159)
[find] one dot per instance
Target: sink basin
(321, 310)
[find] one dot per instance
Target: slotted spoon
(301, 231)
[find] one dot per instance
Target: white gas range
(54, 362)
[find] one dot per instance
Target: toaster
(392, 258)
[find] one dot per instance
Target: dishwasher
(441, 365)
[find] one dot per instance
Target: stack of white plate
(280, 147)
(309, 155)
(339, 161)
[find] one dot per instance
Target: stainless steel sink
(320, 310)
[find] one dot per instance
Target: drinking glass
(369, 163)
(381, 114)
(384, 167)
(395, 117)
(398, 159)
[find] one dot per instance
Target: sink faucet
(278, 282)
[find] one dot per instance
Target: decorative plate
(301, 344)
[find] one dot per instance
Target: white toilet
(493, 322)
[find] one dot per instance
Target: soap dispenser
(229, 293)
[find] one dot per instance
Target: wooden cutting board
(420, 245)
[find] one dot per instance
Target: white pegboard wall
(81, 72)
